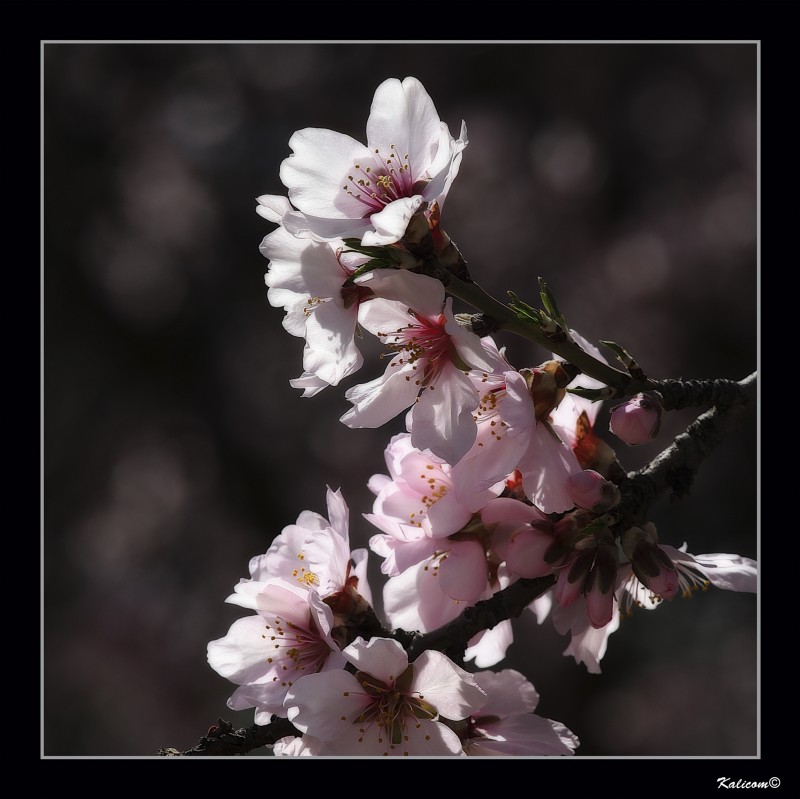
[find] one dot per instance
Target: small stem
(505, 319)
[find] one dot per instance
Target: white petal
(424, 294)
(589, 646)
(376, 402)
(390, 223)
(404, 115)
(463, 572)
(316, 703)
(414, 601)
(523, 734)
(443, 421)
(320, 228)
(359, 571)
(272, 207)
(450, 689)
(319, 168)
(383, 658)
(310, 383)
(331, 353)
(508, 692)
(490, 646)
(545, 467)
(241, 654)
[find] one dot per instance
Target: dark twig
(222, 740)
(675, 467)
(452, 638)
(677, 394)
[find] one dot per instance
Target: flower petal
(390, 223)
(383, 658)
(318, 169)
(443, 420)
(450, 689)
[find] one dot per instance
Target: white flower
(313, 553)
(290, 636)
(315, 283)
(428, 372)
(343, 188)
(387, 707)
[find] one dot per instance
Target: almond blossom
(513, 432)
(318, 286)
(345, 189)
(417, 501)
(264, 654)
(428, 372)
(388, 707)
(314, 553)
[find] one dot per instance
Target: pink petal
(463, 571)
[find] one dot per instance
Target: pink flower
(694, 572)
(343, 188)
(415, 504)
(387, 707)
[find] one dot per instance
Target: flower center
(391, 711)
(303, 576)
(302, 650)
(491, 426)
(386, 178)
(424, 346)
(438, 484)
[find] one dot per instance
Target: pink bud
(636, 421)
(526, 551)
(590, 491)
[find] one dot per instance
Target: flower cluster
(498, 478)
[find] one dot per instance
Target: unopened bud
(590, 490)
(636, 421)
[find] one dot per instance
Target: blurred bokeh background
(175, 449)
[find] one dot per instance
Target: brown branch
(675, 467)
(677, 394)
(452, 638)
(222, 740)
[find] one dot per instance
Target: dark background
(174, 448)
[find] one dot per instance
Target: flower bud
(636, 421)
(590, 491)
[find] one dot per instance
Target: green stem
(506, 319)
